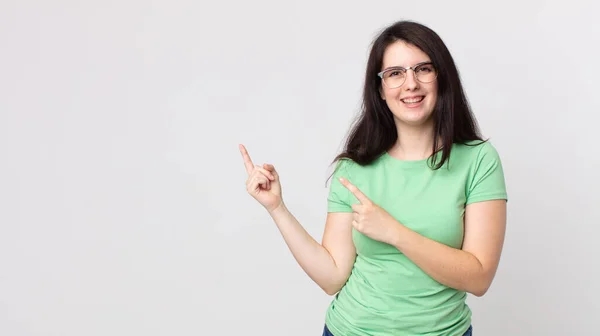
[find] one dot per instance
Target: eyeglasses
(394, 77)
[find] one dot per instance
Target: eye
(425, 68)
(395, 73)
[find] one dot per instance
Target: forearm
(452, 267)
(312, 257)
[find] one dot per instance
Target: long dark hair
(374, 131)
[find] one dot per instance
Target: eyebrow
(400, 67)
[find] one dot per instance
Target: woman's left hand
(370, 219)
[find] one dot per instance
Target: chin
(416, 123)
(413, 119)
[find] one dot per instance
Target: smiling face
(411, 103)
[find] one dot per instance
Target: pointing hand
(262, 183)
(370, 219)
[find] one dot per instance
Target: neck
(414, 143)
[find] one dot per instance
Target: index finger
(247, 161)
(362, 198)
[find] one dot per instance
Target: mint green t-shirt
(386, 293)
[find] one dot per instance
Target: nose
(411, 82)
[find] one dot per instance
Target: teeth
(413, 100)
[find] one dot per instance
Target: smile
(413, 100)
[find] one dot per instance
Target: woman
(417, 210)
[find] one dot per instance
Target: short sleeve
(338, 199)
(487, 182)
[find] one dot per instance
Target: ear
(381, 93)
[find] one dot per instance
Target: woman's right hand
(262, 183)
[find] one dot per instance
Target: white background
(123, 208)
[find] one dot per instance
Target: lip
(413, 105)
(415, 96)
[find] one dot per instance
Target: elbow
(331, 290)
(334, 283)
(480, 287)
(479, 292)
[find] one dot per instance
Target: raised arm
(328, 264)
